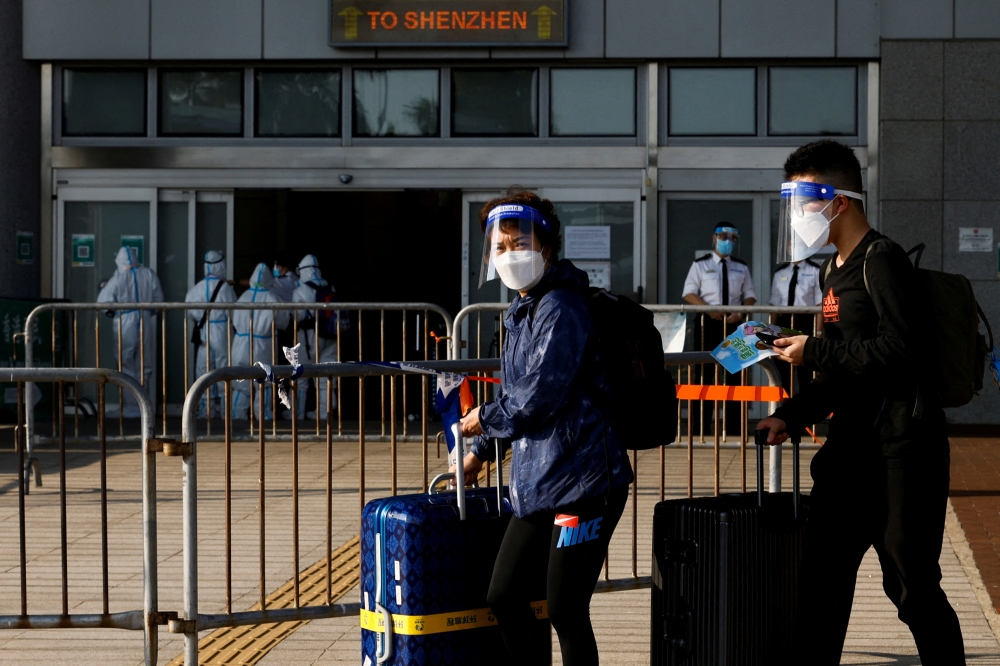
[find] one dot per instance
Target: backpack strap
(204, 316)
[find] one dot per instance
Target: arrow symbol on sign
(544, 14)
(351, 15)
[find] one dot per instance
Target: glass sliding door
(190, 224)
(92, 225)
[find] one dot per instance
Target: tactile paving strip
(247, 645)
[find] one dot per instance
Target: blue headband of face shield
(517, 211)
(727, 230)
(800, 188)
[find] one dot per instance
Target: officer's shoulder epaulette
(738, 261)
(812, 263)
(782, 267)
(705, 258)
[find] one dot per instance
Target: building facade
(370, 133)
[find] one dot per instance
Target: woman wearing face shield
(569, 472)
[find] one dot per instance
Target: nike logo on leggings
(573, 532)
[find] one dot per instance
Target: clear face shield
(512, 251)
(726, 240)
(804, 225)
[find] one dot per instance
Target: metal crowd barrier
(148, 618)
(363, 316)
(195, 621)
(485, 340)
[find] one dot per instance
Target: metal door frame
(760, 253)
(97, 195)
(192, 198)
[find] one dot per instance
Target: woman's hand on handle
(777, 429)
(469, 425)
(472, 465)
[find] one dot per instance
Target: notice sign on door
(25, 247)
(139, 243)
(448, 23)
(83, 250)
(587, 242)
(975, 239)
(599, 273)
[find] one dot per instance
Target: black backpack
(643, 395)
(329, 320)
(957, 360)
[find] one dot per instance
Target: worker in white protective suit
(210, 331)
(314, 289)
(261, 350)
(134, 283)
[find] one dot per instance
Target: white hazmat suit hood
(213, 351)
(262, 350)
(134, 283)
(308, 271)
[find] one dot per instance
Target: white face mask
(520, 270)
(812, 232)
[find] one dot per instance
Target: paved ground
(975, 494)
(621, 619)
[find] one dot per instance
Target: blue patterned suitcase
(425, 573)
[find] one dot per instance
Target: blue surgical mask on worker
(275, 272)
(725, 239)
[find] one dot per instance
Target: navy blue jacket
(552, 400)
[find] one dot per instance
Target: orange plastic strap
(736, 393)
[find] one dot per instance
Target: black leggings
(560, 552)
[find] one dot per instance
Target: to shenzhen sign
(448, 23)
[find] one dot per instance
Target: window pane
(298, 103)
(614, 269)
(713, 101)
(813, 100)
(593, 102)
(104, 102)
(396, 102)
(491, 102)
(201, 103)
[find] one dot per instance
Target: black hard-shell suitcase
(725, 576)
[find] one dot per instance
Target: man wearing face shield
(210, 331)
(568, 462)
(881, 479)
(134, 283)
(262, 347)
(719, 278)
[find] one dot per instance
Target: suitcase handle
(760, 440)
(460, 486)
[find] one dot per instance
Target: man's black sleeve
(890, 286)
(811, 405)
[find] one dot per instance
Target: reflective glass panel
(690, 223)
(813, 101)
(201, 102)
(303, 103)
(713, 101)
(592, 102)
(598, 238)
(104, 102)
(396, 102)
(494, 102)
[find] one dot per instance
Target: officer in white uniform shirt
(719, 278)
(796, 284)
